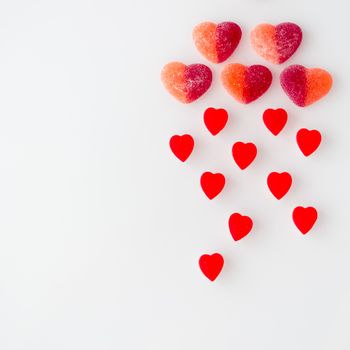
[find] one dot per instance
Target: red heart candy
(304, 218)
(186, 83)
(275, 120)
(305, 86)
(211, 265)
(276, 43)
(216, 42)
(244, 153)
(308, 141)
(246, 84)
(215, 119)
(239, 225)
(212, 184)
(182, 146)
(279, 183)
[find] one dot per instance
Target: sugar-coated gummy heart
(276, 43)
(212, 184)
(244, 83)
(211, 265)
(186, 83)
(279, 183)
(275, 120)
(215, 119)
(182, 146)
(304, 218)
(239, 225)
(308, 141)
(244, 154)
(305, 86)
(216, 42)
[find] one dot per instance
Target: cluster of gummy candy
(304, 86)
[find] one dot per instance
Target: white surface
(101, 227)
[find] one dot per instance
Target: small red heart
(308, 141)
(182, 146)
(275, 120)
(279, 183)
(239, 226)
(304, 218)
(212, 184)
(211, 265)
(244, 153)
(215, 119)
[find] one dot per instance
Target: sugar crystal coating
(276, 43)
(186, 83)
(217, 42)
(305, 86)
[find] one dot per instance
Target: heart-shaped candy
(308, 141)
(182, 146)
(212, 184)
(216, 42)
(244, 153)
(239, 225)
(276, 43)
(304, 218)
(244, 83)
(275, 120)
(211, 265)
(186, 83)
(305, 86)
(215, 119)
(279, 183)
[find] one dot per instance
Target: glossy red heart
(308, 141)
(239, 225)
(211, 265)
(182, 146)
(279, 183)
(244, 153)
(275, 120)
(212, 184)
(215, 119)
(304, 218)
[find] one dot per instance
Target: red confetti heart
(279, 183)
(275, 120)
(215, 119)
(308, 141)
(211, 265)
(239, 225)
(182, 146)
(244, 153)
(304, 218)
(212, 184)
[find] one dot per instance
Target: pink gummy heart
(276, 43)
(305, 86)
(186, 83)
(244, 83)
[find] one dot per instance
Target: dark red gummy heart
(215, 119)
(244, 153)
(212, 184)
(304, 218)
(239, 226)
(275, 120)
(211, 265)
(308, 141)
(182, 146)
(279, 183)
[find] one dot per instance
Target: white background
(101, 226)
